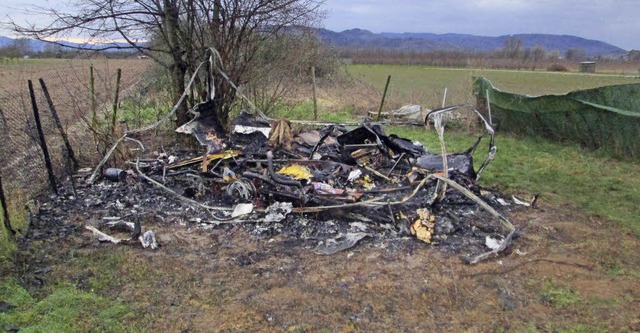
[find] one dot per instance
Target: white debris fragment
(278, 211)
(339, 243)
(359, 226)
(148, 240)
(355, 174)
(520, 253)
(520, 202)
(119, 204)
(251, 129)
(492, 243)
(411, 111)
(502, 202)
(128, 225)
(102, 236)
(242, 209)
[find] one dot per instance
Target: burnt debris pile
(333, 185)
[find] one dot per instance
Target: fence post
(43, 143)
(54, 113)
(92, 92)
(115, 102)
(5, 212)
(315, 96)
(384, 95)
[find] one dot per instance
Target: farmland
(573, 268)
(425, 85)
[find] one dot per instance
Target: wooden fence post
(63, 134)
(315, 96)
(5, 212)
(92, 92)
(43, 143)
(384, 95)
(115, 102)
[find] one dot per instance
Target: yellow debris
(366, 182)
(297, 171)
(423, 226)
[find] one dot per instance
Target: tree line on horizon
(511, 56)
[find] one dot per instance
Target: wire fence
(48, 114)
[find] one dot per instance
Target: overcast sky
(613, 21)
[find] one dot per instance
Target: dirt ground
(566, 272)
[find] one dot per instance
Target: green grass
(18, 223)
(304, 111)
(66, 309)
(425, 85)
(559, 297)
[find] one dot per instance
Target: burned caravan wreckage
(334, 185)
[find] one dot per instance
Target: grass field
(425, 85)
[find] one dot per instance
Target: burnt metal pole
(43, 143)
(5, 212)
(63, 134)
(384, 95)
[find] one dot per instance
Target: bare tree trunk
(179, 67)
(177, 85)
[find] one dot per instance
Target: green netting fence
(606, 118)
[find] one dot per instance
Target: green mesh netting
(605, 118)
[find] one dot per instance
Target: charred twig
(318, 209)
(104, 160)
(136, 141)
(361, 145)
(388, 190)
(395, 164)
(376, 173)
(321, 141)
(393, 218)
(190, 202)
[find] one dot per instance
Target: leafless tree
(177, 33)
(538, 53)
(18, 48)
(512, 48)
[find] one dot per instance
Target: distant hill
(40, 46)
(359, 38)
